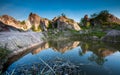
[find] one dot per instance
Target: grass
(99, 34)
(3, 56)
(3, 52)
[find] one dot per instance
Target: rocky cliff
(62, 22)
(38, 23)
(7, 28)
(113, 18)
(10, 21)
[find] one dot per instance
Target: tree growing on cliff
(101, 17)
(85, 21)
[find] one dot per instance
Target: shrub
(38, 30)
(23, 22)
(50, 25)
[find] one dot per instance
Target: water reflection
(98, 51)
(60, 46)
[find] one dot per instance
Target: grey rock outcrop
(112, 36)
(19, 41)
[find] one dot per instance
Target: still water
(94, 58)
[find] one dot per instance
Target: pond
(70, 57)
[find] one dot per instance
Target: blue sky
(75, 9)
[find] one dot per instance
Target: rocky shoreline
(20, 41)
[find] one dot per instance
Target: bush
(38, 30)
(98, 34)
(50, 26)
(23, 22)
(112, 25)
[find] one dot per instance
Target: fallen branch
(47, 66)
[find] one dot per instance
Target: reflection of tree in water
(99, 51)
(99, 60)
(84, 47)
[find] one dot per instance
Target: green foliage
(73, 31)
(63, 15)
(23, 22)
(50, 25)
(101, 17)
(3, 52)
(85, 22)
(111, 25)
(38, 30)
(71, 20)
(98, 33)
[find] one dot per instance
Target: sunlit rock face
(63, 22)
(44, 23)
(43, 46)
(113, 18)
(10, 21)
(38, 22)
(112, 36)
(34, 20)
(63, 46)
(105, 52)
(57, 46)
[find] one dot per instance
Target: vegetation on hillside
(99, 20)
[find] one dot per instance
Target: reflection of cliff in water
(99, 51)
(57, 46)
(63, 46)
(60, 46)
(12, 57)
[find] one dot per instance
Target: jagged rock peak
(10, 21)
(7, 19)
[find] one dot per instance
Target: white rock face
(20, 41)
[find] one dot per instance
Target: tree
(85, 21)
(63, 15)
(101, 17)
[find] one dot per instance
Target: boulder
(112, 36)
